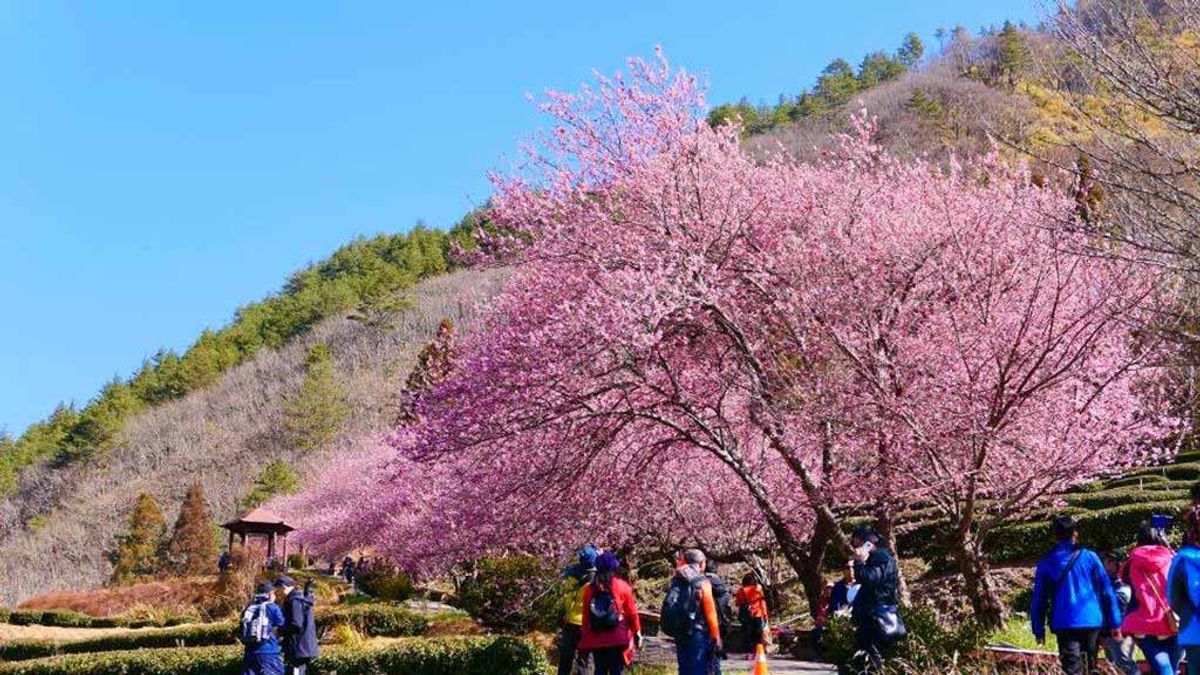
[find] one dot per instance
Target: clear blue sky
(162, 163)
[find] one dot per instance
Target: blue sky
(162, 163)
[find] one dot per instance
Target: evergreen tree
(836, 85)
(434, 364)
(315, 414)
(100, 423)
(912, 49)
(1013, 53)
(877, 68)
(139, 551)
(193, 548)
(277, 478)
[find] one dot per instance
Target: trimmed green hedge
(1099, 530)
(1122, 496)
(418, 656)
(1189, 471)
(184, 636)
(374, 619)
(67, 618)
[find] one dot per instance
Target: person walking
(1183, 582)
(1119, 648)
(752, 612)
(257, 632)
(875, 608)
(611, 628)
(572, 661)
(1071, 589)
(299, 625)
(1150, 619)
(722, 597)
(690, 616)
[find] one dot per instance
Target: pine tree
(434, 363)
(139, 552)
(315, 414)
(911, 50)
(193, 548)
(277, 478)
(1013, 53)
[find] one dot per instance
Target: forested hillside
(224, 436)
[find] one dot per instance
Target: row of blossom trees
(698, 346)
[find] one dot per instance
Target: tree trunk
(977, 584)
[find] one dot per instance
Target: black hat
(266, 588)
(284, 580)
(1063, 526)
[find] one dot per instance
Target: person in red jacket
(611, 626)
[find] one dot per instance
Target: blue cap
(587, 557)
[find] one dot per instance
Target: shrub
(374, 620)
(1114, 497)
(385, 585)
(928, 648)
(4, 612)
(434, 656)
(515, 594)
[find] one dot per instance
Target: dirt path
(660, 651)
(11, 632)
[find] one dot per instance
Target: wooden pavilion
(260, 523)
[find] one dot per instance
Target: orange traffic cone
(760, 661)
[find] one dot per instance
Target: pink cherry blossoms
(702, 346)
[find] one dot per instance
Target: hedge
(1189, 471)
(1100, 530)
(1121, 496)
(374, 620)
(417, 656)
(67, 618)
(184, 636)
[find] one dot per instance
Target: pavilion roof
(258, 520)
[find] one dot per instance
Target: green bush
(1113, 497)
(515, 594)
(375, 620)
(1110, 528)
(1189, 471)
(425, 656)
(928, 648)
(186, 636)
(1144, 481)
(385, 585)
(4, 612)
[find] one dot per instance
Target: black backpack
(605, 613)
(681, 606)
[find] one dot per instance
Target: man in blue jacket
(257, 630)
(299, 626)
(1072, 587)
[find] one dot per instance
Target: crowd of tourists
(1117, 601)
(602, 626)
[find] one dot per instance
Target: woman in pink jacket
(1150, 620)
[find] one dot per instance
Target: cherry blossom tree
(697, 345)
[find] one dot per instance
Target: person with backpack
(256, 631)
(299, 625)
(1071, 589)
(689, 614)
(1183, 582)
(1150, 619)
(752, 612)
(572, 661)
(1118, 648)
(611, 628)
(875, 608)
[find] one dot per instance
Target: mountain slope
(219, 436)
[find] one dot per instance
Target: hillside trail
(660, 651)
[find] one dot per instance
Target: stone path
(658, 650)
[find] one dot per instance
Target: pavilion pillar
(230, 547)
(270, 547)
(285, 559)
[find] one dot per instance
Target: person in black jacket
(876, 604)
(299, 626)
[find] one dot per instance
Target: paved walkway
(662, 651)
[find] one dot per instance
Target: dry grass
(220, 437)
(178, 595)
